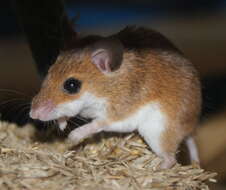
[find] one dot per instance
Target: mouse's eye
(72, 85)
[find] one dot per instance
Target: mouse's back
(140, 38)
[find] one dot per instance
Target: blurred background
(197, 27)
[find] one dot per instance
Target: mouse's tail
(192, 148)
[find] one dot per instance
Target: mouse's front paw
(75, 137)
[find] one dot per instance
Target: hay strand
(104, 162)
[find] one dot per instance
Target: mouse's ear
(107, 55)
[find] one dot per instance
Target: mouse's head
(65, 90)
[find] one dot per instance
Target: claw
(62, 122)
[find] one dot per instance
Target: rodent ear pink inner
(107, 54)
(101, 59)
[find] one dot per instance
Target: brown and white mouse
(135, 80)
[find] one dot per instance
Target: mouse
(134, 80)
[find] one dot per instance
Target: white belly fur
(150, 122)
(149, 118)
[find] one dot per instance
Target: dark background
(197, 27)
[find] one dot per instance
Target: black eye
(72, 85)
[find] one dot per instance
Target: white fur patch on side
(150, 122)
(152, 125)
(149, 118)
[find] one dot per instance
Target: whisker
(14, 92)
(49, 124)
(72, 122)
(46, 124)
(54, 122)
(13, 100)
(82, 119)
(59, 132)
(24, 109)
(53, 128)
(23, 112)
(15, 108)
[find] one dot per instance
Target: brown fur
(152, 71)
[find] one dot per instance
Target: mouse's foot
(168, 162)
(77, 135)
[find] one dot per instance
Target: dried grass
(113, 162)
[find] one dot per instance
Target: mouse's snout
(42, 111)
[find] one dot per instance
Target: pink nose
(42, 112)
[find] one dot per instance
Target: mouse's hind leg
(161, 138)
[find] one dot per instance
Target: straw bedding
(106, 161)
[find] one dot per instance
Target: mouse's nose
(42, 111)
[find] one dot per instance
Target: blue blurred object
(97, 13)
(105, 15)
(108, 13)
